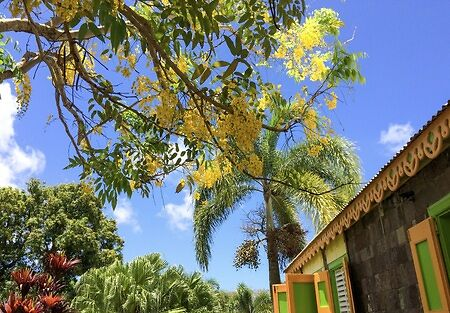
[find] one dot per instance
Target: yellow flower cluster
(151, 164)
(303, 48)
(86, 6)
(23, 92)
(208, 173)
(116, 5)
(142, 85)
(311, 34)
(299, 52)
(243, 125)
(16, 7)
(206, 177)
(282, 51)
(127, 63)
(332, 101)
(252, 165)
(194, 125)
(166, 109)
(66, 9)
(317, 145)
(310, 121)
(265, 101)
(147, 91)
(318, 68)
(86, 188)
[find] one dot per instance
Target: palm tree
(248, 301)
(146, 284)
(295, 179)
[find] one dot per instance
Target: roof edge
(424, 146)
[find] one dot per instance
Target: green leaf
(82, 32)
(205, 75)
(94, 29)
(180, 186)
(222, 19)
(118, 33)
(220, 64)
(198, 71)
(230, 70)
(230, 45)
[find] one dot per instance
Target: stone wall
(382, 272)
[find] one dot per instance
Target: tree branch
(48, 32)
(29, 60)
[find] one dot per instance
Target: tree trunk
(272, 249)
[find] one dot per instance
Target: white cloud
(396, 136)
(180, 215)
(17, 164)
(124, 214)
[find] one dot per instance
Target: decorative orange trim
(422, 149)
(275, 290)
(296, 278)
(425, 230)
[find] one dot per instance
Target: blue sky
(407, 69)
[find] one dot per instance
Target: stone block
(413, 297)
(401, 235)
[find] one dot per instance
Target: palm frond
(337, 162)
(284, 207)
(323, 183)
(319, 204)
(213, 207)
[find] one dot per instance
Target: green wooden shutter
(429, 267)
(324, 295)
(301, 293)
(280, 298)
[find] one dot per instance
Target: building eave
(425, 145)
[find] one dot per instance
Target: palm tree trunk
(272, 250)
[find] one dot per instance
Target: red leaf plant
(25, 279)
(58, 264)
(15, 305)
(45, 286)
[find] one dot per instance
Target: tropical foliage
(248, 301)
(147, 284)
(40, 292)
(193, 96)
(316, 176)
(47, 219)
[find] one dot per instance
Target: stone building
(388, 250)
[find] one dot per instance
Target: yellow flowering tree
(146, 89)
(316, 176)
